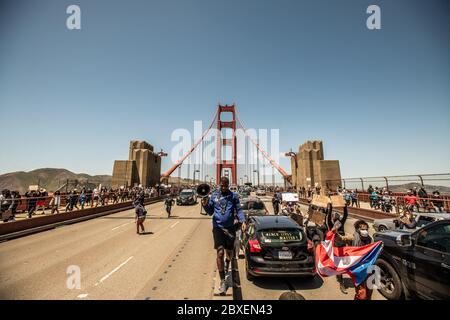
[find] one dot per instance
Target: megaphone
(203, 190)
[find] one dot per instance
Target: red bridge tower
(226, 164)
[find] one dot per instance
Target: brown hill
(49, 178)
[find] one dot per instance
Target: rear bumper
(181, 202)
(263, 273)
(260, 267)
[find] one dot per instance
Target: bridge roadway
(175, 260)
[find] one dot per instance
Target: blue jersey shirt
(223, 208)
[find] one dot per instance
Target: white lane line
(174, 224)
(83, 295)
(116, 269)
(120, 226)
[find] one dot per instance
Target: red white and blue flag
(354, 261)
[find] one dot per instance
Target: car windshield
(256, 205)
(187, 193)
(277, 236)
(424, 220)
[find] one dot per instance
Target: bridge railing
(401, 183)
(41, 203)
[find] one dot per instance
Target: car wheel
(382, 228)
(391, 285)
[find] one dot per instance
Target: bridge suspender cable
(180, 161)
(265, 154)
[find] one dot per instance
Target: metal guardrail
(401, 183)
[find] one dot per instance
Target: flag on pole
(354, 261)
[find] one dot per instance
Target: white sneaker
(223, 287)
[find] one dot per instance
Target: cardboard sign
(337, 201)
(320, 201)
(289, 197)
(317, 217)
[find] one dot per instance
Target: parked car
(244, 193)
(260, 192)
(187, 196)
(416, 264)
(422, 219)
(253, 206)
(277, 246)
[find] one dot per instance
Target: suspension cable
(180, 161)
(264, 153)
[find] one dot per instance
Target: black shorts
(224, 239)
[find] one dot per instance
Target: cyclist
(410, 201)
(276, 204)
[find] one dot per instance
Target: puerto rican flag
(354, 261)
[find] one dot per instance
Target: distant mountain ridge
(429, 188)
(48, 178)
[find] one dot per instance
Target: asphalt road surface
(174, 260)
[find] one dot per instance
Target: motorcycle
(387, 205)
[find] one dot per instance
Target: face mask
(364, 233)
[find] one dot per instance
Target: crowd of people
(414, 200)
(38, 201)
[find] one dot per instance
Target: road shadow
(149, 217)
(146, 233)
(117, 218)
(179, 218)
(297, 283)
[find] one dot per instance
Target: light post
(292, 155)
(195, 171)
(257, 171)
(206, 178)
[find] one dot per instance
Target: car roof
(270, 222)
(434, 215)
(418, 214)
(190, 190)
(251, 199)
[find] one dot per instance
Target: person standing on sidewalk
(31, 206)
(55, 202)
(82, 199)
(355, 199)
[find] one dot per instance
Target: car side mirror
(404, 240)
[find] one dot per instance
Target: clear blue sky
(379, 100)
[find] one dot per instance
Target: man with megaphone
(227, 214)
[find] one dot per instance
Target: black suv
(416, 264)
(187, 196)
